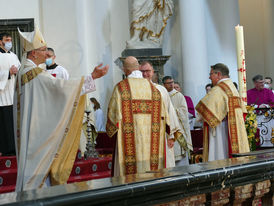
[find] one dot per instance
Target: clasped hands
(13, 70)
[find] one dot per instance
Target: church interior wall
(89, 33)
(257, 18)
(83, 34)
(171, 40)
(221, 18)
(198, 35)
(184, 40)
(16, 9)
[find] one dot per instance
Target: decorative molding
(12, 24)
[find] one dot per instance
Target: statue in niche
(149, 19)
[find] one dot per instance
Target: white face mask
(266, 86)
(8, 45)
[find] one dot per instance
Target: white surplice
(99, 120)
(180, 106)
(59, 72)
(6, 84)
(174, 125)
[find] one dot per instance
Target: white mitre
(32, 40)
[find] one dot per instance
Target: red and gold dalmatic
(137, 113)
(224, 101)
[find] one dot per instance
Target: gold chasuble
(48, 115)
(223, 100)
(137, 113)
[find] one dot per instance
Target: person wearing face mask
(260, 96)
(54, 69)
(268, 83)
(9, 65)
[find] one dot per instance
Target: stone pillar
(194, 48)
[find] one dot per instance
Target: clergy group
(43, 116)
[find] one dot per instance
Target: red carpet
(82, 170)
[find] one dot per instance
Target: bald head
(130, 64)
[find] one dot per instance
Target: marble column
(194, 71)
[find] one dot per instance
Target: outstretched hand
(99, 71)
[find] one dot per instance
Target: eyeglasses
(145, 71)
(212, 73)
(169, 82)
(260, 82)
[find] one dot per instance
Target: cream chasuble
(223, 100)
(184, 142)
(136, 112)
(48, 116)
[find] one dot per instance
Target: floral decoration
(251, 125)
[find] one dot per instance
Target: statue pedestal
(153, 55)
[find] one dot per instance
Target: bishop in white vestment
(48, 117)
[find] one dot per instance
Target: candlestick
(91, 140)
(88, 105)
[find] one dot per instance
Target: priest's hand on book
(99, 71)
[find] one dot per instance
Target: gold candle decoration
(241, 62)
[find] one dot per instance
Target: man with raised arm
(48, 116)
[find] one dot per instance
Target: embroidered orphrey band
(233, 103)
(131, 107)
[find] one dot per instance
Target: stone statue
(149, 19)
